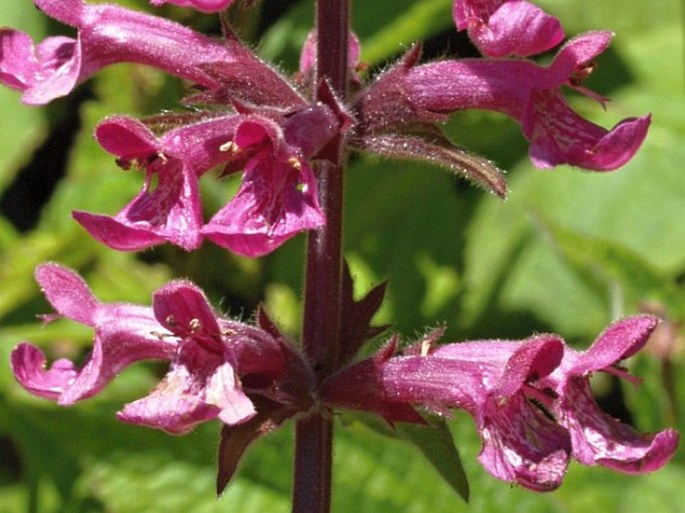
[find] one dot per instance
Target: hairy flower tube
(212, 360)
(107, 34)
(530, 400)
(200, 5)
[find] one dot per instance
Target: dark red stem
(322, 300)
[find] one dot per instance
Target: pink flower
(170, 210)
(123, 334)
(278, 197)
(531, 400)
(520, 443)
(106, 35)
(598, 438)
(208, 355)
(531, 94)
(277, 200)
(507, 27)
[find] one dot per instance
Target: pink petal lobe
(275, 202)
(47, 71)
(535, 358)
(517, 28)
(116, 234)
(560, 136)
(224, 393)
(177, 414)
(168, 211)
(28, 366)
(199, 386)
(126, 138)
(18, 63)
(598, 438)
(183, 309)
(619, 341)
(67, 293)
(522, 445)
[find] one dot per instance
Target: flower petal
(516, 27)
(169, 211)
(600, 439)
(67, 293)
(223, 392)
(44, 72)
(127, 138)
(28, 366)
(619, 341)
(176, 414)
(560, 136)
(199, 386)
(275, 202)
(107, 35)
(522, 445)
(183, 309)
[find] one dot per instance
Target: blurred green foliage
(567, 252)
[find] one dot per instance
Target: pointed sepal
(438, 150)
(356, 316)
(235, 440)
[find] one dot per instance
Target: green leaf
(415, 22)
(434, 440)
(615, 264)
(436, 444)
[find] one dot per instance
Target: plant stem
(322, 301)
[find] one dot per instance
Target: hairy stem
(322, 301)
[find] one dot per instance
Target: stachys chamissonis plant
(289, 137)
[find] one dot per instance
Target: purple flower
(531, 94)
(169, 210)
(598, 438)
(106, 35)
(520, 443)
(123, 334)
(209, 356)
(507, 27)
(278, 197)
(531, 400)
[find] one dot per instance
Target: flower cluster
(530, 399)
(250, 117)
